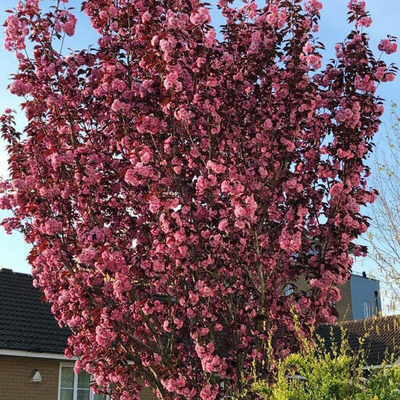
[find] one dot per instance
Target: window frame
(75, 383)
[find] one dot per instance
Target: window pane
(99, 397)
(83, 380)
(367, 309)
(67, 377)
(66, 394)
(83, 394)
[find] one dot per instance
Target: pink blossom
(389, 78)
(380, 73)
(166, 326)
(182, 115)
(154, 204)
(122, 284)
(104, 336)
(20, 88)
(289, 242)
(387, 46)
(87, 256)
(201, 16)
(223, 225)
(308, 47)
(210, 38)
(131, 178)
(315, 61)
(216, 167)
(240, 211)
(170, 80)
(5, 203)
(203, 289)
(209, 393)
(146, 17)
(356, 5)
(52, 227)
(116, 106)
(336, 189)
(365, 21)
(316, 5)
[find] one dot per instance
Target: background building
(365, 299)
(360, 297)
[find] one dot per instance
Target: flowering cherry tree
(173, 184)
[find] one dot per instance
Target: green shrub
(316, 373)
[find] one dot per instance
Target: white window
(76, 387)
(367, 309)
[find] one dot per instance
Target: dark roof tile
(26, 322)
(381, 337)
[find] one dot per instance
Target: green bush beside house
(331, 374)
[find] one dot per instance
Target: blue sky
(386, 16)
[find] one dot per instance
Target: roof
(363, 275)
(26, 322)
(381, 337)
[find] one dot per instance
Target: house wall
(343, 306)
(14, 378)
(147, 394)
(15, 385)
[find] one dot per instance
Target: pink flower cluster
(388, 46)
(66, 22)
(20, 88)
(16, 31)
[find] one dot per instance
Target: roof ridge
(375, 319)
(10, 271)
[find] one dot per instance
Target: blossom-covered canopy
(173, 184)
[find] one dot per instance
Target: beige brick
(14, 378)
(15, 385)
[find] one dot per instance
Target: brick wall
(15, 385)
(147, 393)
(14, 378)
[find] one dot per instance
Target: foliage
(172, 184)
(319, 374)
